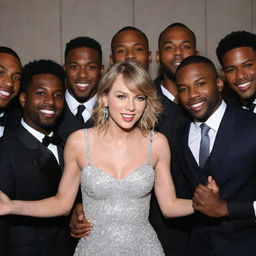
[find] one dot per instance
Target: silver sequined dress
(119, 212)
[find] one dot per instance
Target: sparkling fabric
(118, 210)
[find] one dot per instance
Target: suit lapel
(68, 124)
(48, 165)
(61, 156)
(225, 135)
(41, 156)
(186, 158)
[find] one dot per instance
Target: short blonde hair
(137, 79)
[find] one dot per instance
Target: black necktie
(3, 120)
(55, 140)
(79, 115)
(204, 145)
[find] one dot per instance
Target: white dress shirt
(254, 110)
(1, 127)
(39, 136)
(73, 105)
(167, 93)
(213, 122)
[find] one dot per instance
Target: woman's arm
(62, 202)
(170, 205)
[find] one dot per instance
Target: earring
(105, 113)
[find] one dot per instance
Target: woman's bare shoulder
(159, 138)
(76, 136)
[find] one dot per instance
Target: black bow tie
(3, 120)
(251, 107)
(55, 140)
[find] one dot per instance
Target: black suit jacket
(172, 233)
(232, 163)
(30, 171)
(13, 114)
(68, 123)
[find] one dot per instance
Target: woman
(117, 163)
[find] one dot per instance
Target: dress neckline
(123, 178)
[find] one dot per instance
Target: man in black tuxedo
(237, 55)
(31, 164)
(83, 67)
(10, 76)
(221, 143)
(175, 43)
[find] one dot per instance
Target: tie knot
(251, 106)
(80, 109)
(55, 140)
(204, 129)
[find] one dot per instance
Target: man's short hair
(176, 24)
(84, 41)
(38, 67)
(234, 40)
(197, 59)
(4, 49)
(126, 29)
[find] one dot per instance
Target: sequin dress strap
(87, 146)
(150, 147)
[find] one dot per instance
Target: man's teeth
(243, 85)
(197, 105)
(5, 93)
(82, 84)
(46, 111)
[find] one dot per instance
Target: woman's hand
(212, 185)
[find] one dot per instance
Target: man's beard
(168, 72)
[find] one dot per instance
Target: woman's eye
(141, 98)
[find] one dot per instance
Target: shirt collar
(214, 120)
(167, 93)
(38, 135)
(73, 103)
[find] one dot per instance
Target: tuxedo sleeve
(242, 215)
(7, 186)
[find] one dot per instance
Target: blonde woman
(117, 163)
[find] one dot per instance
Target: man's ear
(220, 84)
(111, 61)
(157, 57)
(23, 99)
(149, 56)
(102, 69)
(223, 75)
